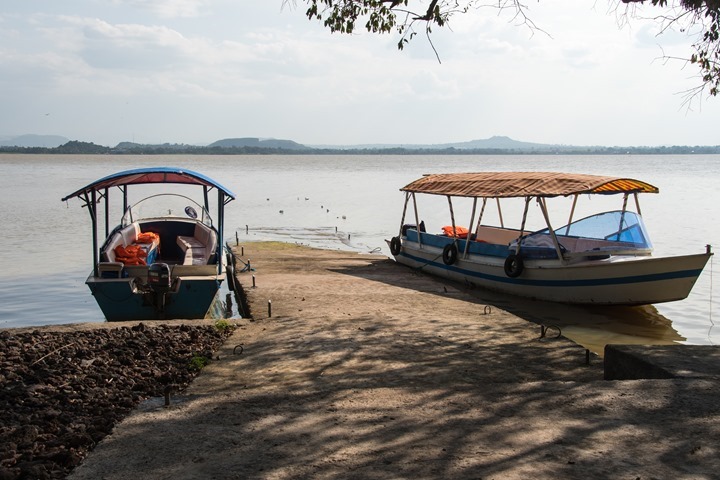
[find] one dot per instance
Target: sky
(196, 71)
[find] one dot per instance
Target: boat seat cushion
(496, 235)
(126, 237)
(110, 269)
(109, 252)
(130, 233)
(199, 248)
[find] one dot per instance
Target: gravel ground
(61, 392)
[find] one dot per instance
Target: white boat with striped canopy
(605, 258)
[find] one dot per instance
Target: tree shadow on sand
(416, 395)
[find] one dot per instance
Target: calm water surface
(354, 203)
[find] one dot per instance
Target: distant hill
(250, 144)
(257, 143)
(492, 143)
(46, 141)
(497, 145)
(499, 142)
(165, 147)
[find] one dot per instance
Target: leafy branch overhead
(698, 18)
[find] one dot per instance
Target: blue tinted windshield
(614, 226)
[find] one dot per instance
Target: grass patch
(198, 362)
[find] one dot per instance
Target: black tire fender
(514, 265)
(395, 245)
(230, 273)
(450, 254)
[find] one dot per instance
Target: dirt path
(367, 370)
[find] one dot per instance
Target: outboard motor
(159, 277)
(160, 284)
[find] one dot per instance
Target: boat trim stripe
(592, 282)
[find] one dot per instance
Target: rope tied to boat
(427, 262)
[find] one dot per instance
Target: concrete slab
(634, 362)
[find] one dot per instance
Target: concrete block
(635, 362)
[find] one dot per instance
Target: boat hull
(611, 281)
(120, 300)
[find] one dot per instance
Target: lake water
(352, 203)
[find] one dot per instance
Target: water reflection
(593, 327)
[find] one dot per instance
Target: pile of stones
(63, 392)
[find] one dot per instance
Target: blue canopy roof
(151, 175)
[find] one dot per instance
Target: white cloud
(167, 8)
(196, 71)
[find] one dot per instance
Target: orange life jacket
(147, 237)
(130, 255)
(460, 232)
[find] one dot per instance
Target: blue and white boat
(603, 259)
(165, 260)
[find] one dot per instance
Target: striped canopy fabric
(152, 175)
(524, 184)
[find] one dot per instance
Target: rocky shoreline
(61, 392)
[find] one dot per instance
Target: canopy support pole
(452, 213)
(402, 218)
(125, 199)
(107, 213)
(572, 213)
(622, 216)
(482, 210)
(452, 219)
(470, 227)
(637, 203)
(220, 228)
(417, 220)
(543, 208)
(502, 223)
(92, 209)
(522, 226)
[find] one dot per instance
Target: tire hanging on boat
(514, 265)
(450, 254)
(395, 245)
(230, 272)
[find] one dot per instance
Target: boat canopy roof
(524, 184)
(151, 175)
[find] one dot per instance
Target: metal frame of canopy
(98, 190)
(527, 185)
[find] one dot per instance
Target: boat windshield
(616, 226)
(166, 205)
